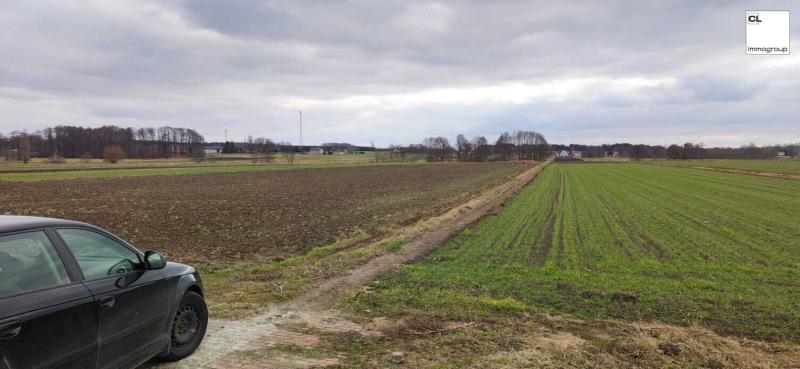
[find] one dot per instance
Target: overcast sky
(655, 72)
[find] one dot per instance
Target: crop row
(636, 242)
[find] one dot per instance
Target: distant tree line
(520, 145)
(261, 149)
(75, 142)
(259, 144)
(680, 152)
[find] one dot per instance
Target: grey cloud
(213, 64)
(714, 88)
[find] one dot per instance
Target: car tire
(188, 326)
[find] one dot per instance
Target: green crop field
(634, 242)
(780, 166)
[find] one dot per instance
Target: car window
(29, 262)
(97, 255)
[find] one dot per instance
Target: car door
(48, 318)
(131, 301)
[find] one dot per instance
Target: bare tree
(504, 146)
(438, 148)
(481, 148)
(73, 142)
(263, 150)
(463, 148)
(530, 145)
(24, 148)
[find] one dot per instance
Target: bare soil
(252, 217)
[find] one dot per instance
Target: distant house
(563, 154)
(316, 150)
(781, 153)
(213, 149)
(615, 154)
(576, 154)
(338, 149)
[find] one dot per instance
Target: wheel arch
(176, 289)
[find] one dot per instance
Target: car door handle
(107, 302)
(10, 330)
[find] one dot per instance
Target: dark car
(75, 296)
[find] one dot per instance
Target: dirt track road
(227, 342)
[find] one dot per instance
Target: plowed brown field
(215, 218)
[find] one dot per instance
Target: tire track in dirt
(520, 231)
(453, 221)
(540, 254)
(560, 255)
(578, 224)
(616, 238)
(586, 253)
(639, 238)
(562, 192)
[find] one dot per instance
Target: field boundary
(213, 163)
(425, 238)
(34, 175)
(751, 173)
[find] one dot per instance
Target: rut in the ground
(545, 236)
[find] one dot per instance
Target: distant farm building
(213, 149)
(316, 150)
(781, 153)
(563, 154)
(338, 149)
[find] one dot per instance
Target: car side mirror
(154, 260)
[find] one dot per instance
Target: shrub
(113, 154)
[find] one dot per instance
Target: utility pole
(301, 128)
(226, 135)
